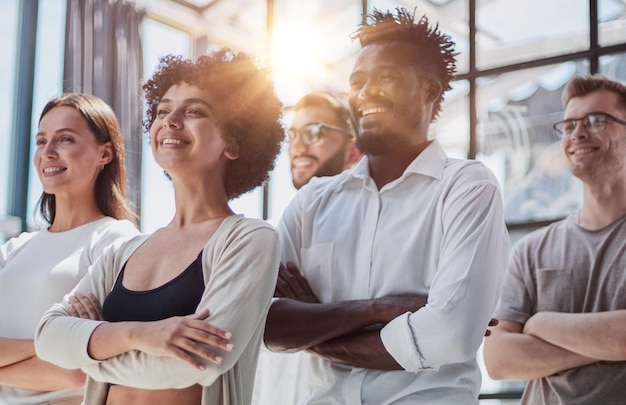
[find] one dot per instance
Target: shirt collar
(431, 162)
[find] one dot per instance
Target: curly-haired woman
(184, 308)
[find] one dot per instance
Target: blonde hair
(582, 85)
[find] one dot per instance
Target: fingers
(203, 346)
(282, 287)
(291, 284)
(85, 306)
(286, 287)
(200, 338)
(492, 322)
(187, 358)
(197, 323)
(300, 283)
(204, 314)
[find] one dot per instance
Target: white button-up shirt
(438, 230)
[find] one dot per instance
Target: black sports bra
(178, 297)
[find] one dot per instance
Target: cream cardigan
(240, 265)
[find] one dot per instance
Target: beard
(601, 168)
(379, 143)
(391, 132)
(333, 165)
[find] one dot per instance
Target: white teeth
(584, 150)
(301, 164)
(171, 141)
(52, 169)
(373, 110)
(301, 161)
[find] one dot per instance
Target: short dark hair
(110, 188)
(337, 102)
(249, 111)
(582, 85)
(434, 50)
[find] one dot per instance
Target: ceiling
(310, 48)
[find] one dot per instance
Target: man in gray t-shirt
(563, 306)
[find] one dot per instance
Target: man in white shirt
(401, 255)
(563, 306)
(321, 143)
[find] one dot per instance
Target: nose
(369, 90)
(579, 132)
(171, 120)
(49, 151)
(296, 145)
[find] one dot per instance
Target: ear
(232, 151)
(433, 90)
(352, 155)
(106, 154)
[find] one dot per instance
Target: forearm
(294, 325)
(599, 335)
(361, 349)
(111, 339)
(15, 350)
(518, 356)
(36, 374)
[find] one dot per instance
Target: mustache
(304, 155)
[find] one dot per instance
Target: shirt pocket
(317, 269)
(554, 290)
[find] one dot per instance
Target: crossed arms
(550, 342)
(21, 368)
(345, 332)
(155, 355)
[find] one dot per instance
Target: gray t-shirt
(566, 268)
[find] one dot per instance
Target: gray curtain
(104, 57)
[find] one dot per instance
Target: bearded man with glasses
(321, 143)
(321, 137)
(563, 306)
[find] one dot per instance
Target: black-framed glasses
(593, 122)
(311, 133)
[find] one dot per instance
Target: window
(8, 31)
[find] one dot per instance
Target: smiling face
(596, 156)
(330, 155)
(185, 135)
(67, 158)
(390, 100)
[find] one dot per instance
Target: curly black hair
(249, 111)
(434, 50)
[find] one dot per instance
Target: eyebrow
(189, 101)
(59, 131)
(589, 113)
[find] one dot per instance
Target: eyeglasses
(311, 133)
(593, 122)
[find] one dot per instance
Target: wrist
(131, 334)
